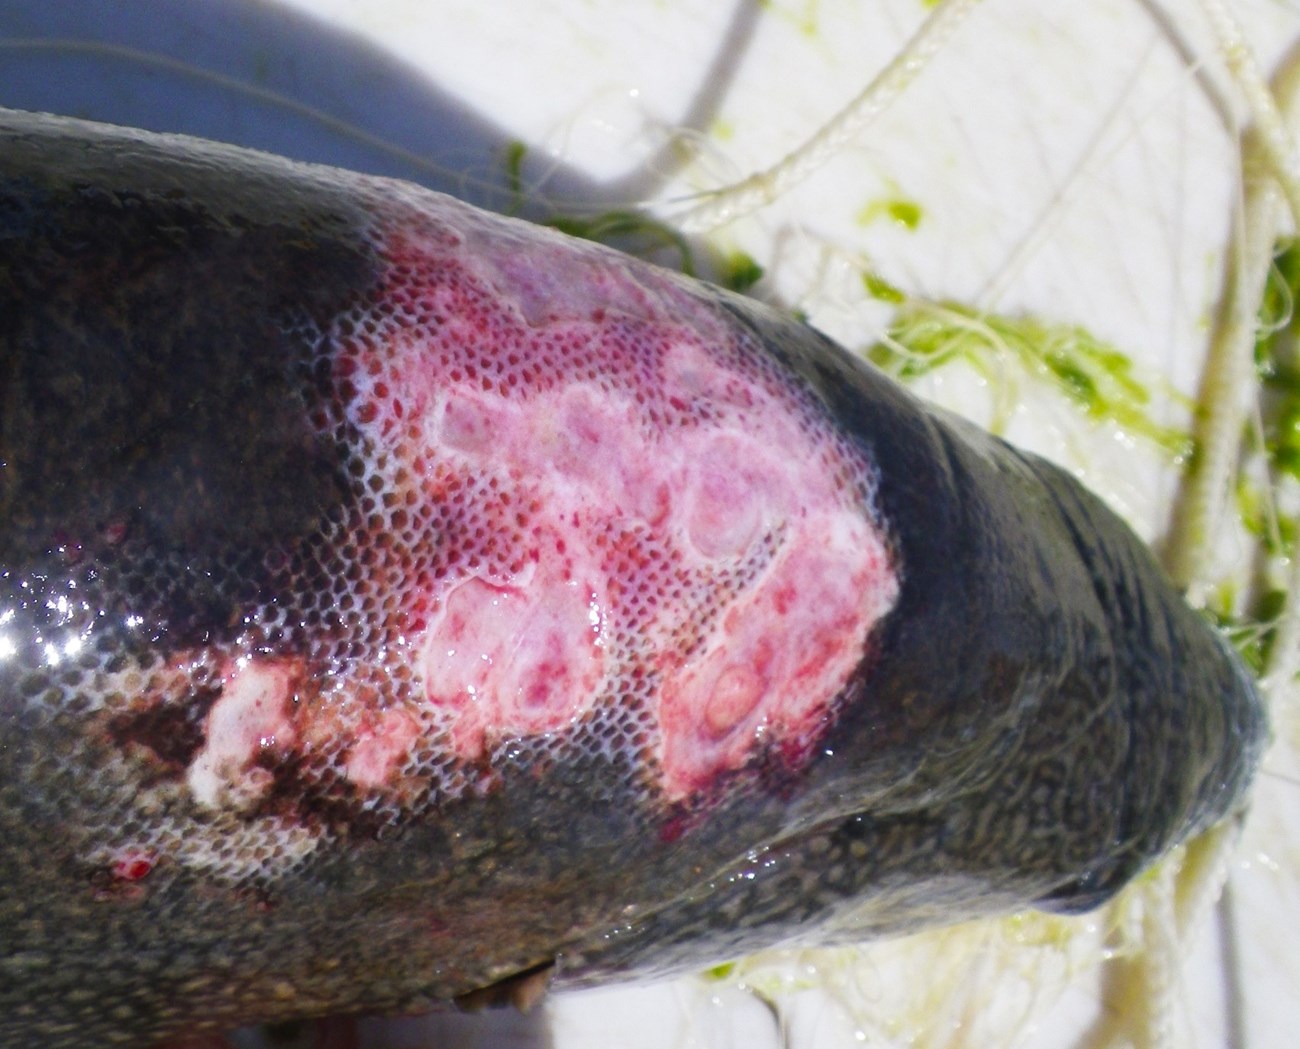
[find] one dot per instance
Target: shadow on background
(270, 77)
(260, 75)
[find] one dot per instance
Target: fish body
(398, 602)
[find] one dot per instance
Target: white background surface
(1073, 160)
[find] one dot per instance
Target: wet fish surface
(399, 601)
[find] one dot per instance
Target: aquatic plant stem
(1221, 405)
(724, 205)
(1270, 174)
(1274, 138)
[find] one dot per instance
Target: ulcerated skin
(1034, 718)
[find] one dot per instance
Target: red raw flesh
(581, 491)
(630, 493)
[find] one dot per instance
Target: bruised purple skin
(396, 598)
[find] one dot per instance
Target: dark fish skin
(395, 599)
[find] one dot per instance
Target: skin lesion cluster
(629, 514)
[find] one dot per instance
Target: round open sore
(513, 660)
(622, 502)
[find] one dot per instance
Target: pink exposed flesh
(602, 496)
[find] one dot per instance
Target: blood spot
(114, 532)
(133, 865)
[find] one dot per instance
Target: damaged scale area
(398, 602)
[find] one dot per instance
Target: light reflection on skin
(68, 613)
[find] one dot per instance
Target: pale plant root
(721, 206)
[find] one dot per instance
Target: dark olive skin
(1036, 718)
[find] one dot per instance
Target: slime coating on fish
(397, 598)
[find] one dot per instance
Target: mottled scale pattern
(396, 599)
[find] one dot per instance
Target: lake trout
(402, 604)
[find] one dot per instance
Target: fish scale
(402, 604)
